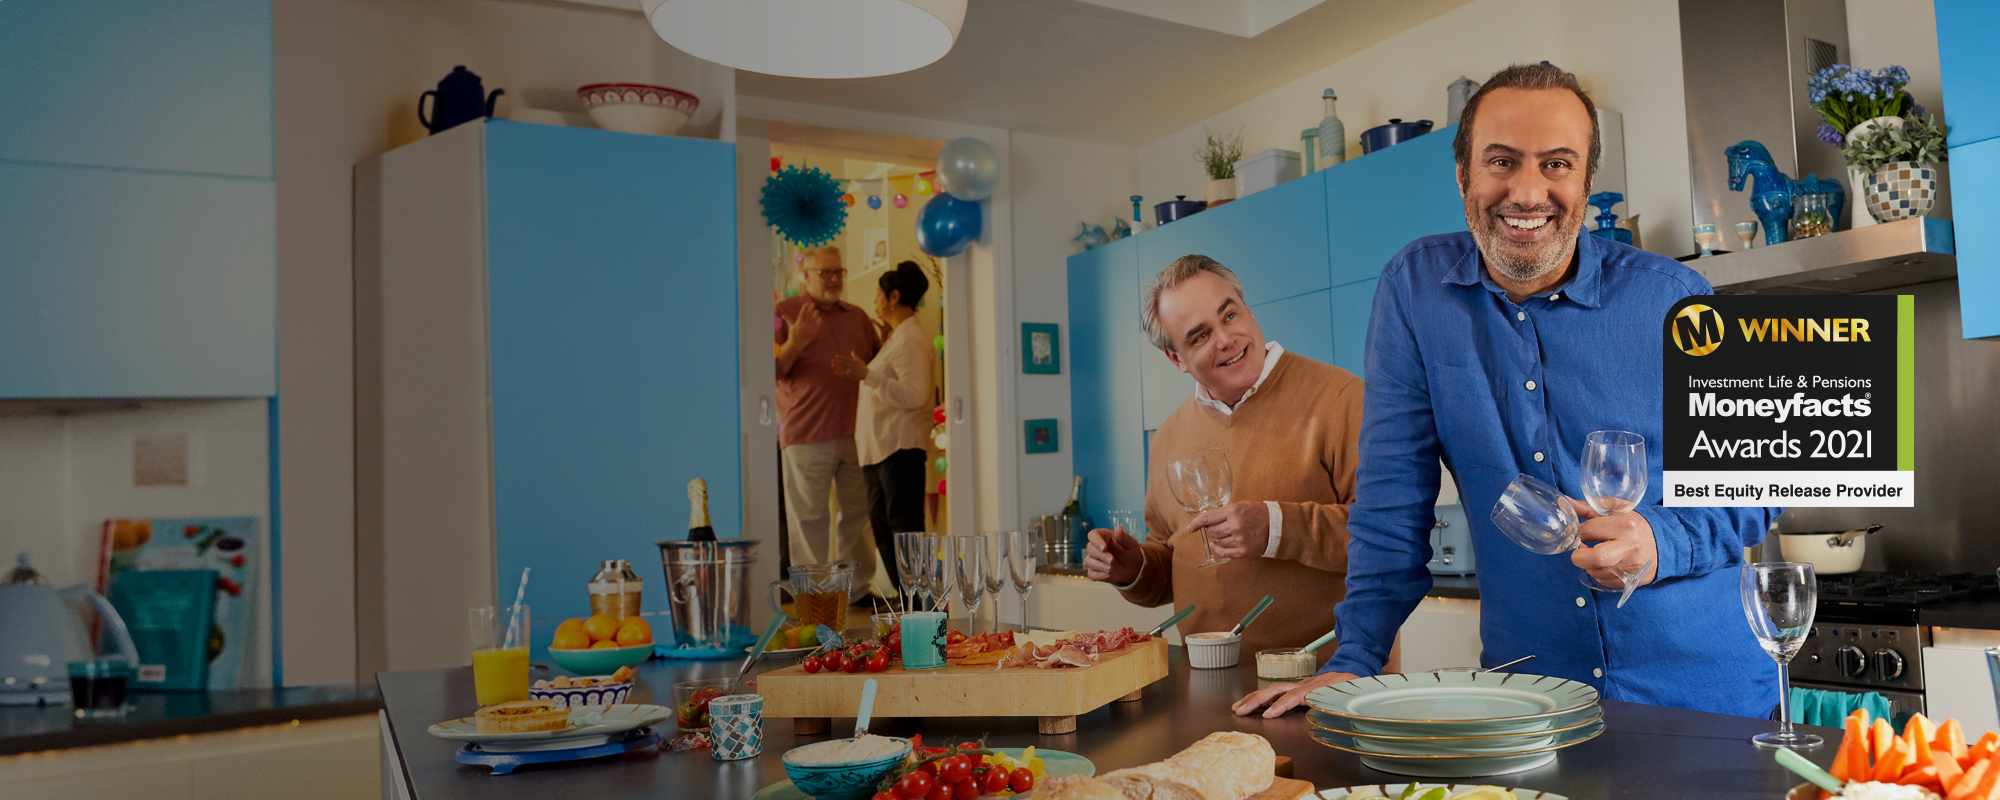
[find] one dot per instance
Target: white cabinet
(1442, 632)
(1957, 685)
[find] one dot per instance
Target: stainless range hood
(1868, 259)
(1745, 65)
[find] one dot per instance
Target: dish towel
(1829, 709)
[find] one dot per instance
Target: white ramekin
(1216, 650)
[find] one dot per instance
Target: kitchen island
(1646, 751)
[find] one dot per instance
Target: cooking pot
(1178, 208)
(1830, 552)
(1396, 132)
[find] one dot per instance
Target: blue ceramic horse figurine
(1771, 191)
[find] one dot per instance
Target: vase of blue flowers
(1854, 103)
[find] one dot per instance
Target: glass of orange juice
(500, 654)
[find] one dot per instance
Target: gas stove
(1865, 635)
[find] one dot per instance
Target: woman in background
(893, 421)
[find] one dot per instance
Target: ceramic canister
(736, 727)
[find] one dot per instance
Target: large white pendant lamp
(811, 38)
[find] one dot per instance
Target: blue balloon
(947, 225)
(874, 201)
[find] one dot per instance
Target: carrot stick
(1949, 772)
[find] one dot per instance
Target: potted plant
(1853, 102)
(1218, 155)
(1899, 167)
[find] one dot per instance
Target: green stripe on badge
(1906, 382)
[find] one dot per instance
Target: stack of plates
(1455, 724)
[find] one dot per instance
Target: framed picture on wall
(1040, 436)
(1041, 348)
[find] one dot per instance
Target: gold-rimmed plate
(1452, 702)
(1563, 723)
(1459, 765)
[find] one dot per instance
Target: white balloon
(968, 168)
(942, 440)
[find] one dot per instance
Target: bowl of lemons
(600, 644)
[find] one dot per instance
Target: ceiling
(1099, 70)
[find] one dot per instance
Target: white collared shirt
(893, 412)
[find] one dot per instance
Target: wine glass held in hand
(1201, 482)
(1779, 600)
(1614, 480)
(1541, 520)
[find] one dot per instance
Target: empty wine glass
(908, 544)
(1534, 516)
(968, 569)
(1779, 600)
(995, 574)
(1746, 234)
(1022, 551)
(1614, 480)
(1201, 482)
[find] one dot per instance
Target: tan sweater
(1293, 441)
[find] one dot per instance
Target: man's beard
(1533, 264)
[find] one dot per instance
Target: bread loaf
(1227, 765)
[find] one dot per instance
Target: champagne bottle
(1072, 508)
(699, 529)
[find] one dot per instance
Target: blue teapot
(459, 98)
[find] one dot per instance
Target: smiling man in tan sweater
(1287, 425)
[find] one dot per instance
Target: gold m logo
(1698, 330)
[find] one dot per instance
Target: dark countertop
(1646, 752)
(1977, 612)
(160, 714)
(1460, 586)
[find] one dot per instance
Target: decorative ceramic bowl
(604, 693)
(850, 781)
(638, 107)
(601, 661)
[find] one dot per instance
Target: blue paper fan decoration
(803, 205)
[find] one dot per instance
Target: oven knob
(1889, 664)
(1850, 661)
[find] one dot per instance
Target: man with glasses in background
(816, 413)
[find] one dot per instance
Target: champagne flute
(907, 545)
(1199, 483)
(1614, 480)
(1780, 599)
(968, 561)
(1023, 552)
(994, 573)
(1534, 516)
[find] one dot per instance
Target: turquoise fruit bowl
(601, 662)
(850, 781)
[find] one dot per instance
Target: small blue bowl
(603, 661)
(850, 781)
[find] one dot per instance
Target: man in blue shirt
(1498, 351)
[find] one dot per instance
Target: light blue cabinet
(612, 324)
(1106, 349)
(184, 86)
(133, 284)
(1274, 239)
(1299, 323)
(1382, 201)
(1968, 63)
(1975, 183)
(1351, 306)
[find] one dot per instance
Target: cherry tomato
(968, 745)
(857, 663)
(928, 768)
(879, 661)
(1021, 780)
(834, 661)
(995, 781)
(885, 795)
(955, 769)
(914, 786)
(939, 791)
(812, 664)
(964, 791)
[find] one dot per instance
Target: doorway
(885, 182)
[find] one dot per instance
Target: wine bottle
(1072, 508)
(699, 529)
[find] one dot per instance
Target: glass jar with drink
(819, 593)
(499, 654)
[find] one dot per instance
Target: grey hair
(1181, 271)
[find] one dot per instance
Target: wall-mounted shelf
(1868, 259)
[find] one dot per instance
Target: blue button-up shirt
(1457, 371)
